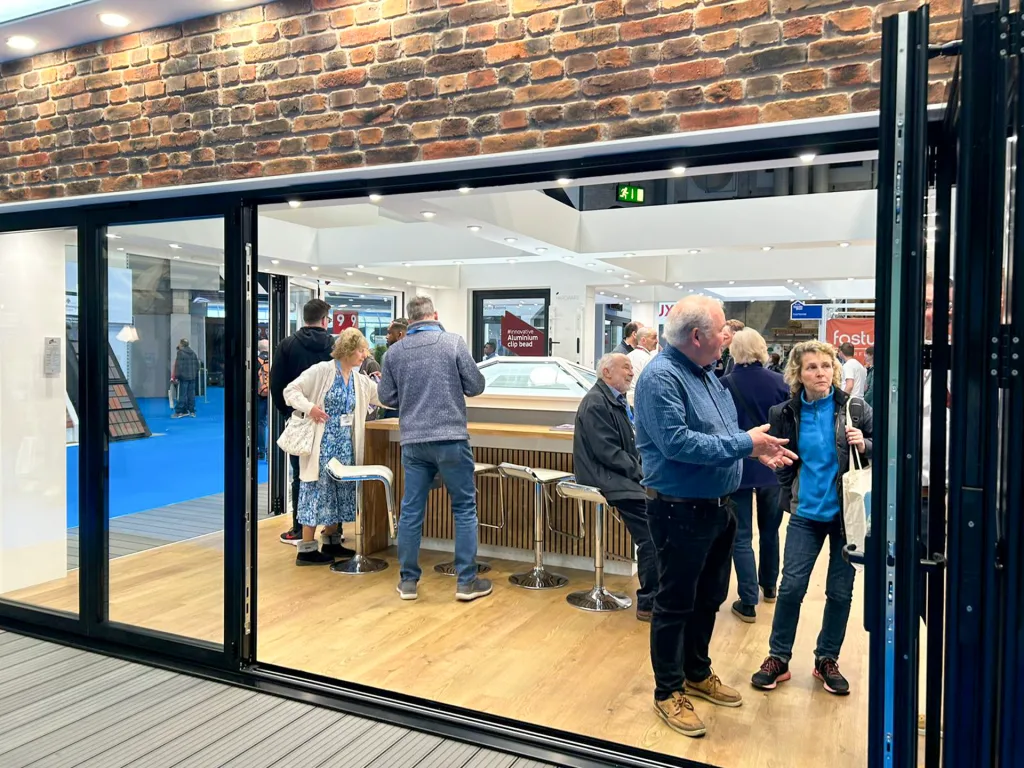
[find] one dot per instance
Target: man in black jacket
(303, 349)
(605, 456)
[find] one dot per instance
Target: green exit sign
(627, 193)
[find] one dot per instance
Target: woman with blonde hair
(755, 390)
(335, 396)
(816, 423)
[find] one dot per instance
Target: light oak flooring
(519, 654)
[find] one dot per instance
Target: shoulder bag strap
(754, 420)
(855, 462)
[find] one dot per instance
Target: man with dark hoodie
(303, 349)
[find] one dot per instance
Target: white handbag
(298, 435)
(856, 500)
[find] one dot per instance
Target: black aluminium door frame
(476, 342)
(231, 662)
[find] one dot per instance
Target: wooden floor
(519, 654)
(65, 708)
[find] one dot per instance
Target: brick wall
(304, 85)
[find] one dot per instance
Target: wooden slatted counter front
(527, 445)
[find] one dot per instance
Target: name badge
(346, 420)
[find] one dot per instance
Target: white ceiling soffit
(58, 24)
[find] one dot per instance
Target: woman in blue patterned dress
(336, 396)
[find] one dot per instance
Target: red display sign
(521, 338)
(343, 320)
(859, 331)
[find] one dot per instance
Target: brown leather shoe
(678, 714)
(643, 616)
(715, 691)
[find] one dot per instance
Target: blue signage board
(800, 311)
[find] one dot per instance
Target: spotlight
(114, 20)
(807, 157)
(564, 182)
(510, 240)
(294, 203)
(465, 190)
(679, 170)
(428, 214)
(474, 228)
(21, 43)
(375, 198)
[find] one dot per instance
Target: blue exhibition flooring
(183, 460)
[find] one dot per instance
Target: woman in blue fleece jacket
(815, 423)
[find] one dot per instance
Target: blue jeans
(804, 540)
(766, 571)
(186, 396)
(453, 460)
(262, 410)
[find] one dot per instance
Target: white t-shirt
(639, 357)
(853, 369)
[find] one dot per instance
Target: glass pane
(514, 377)
(165, 325)
(530, 311)
(39, 419)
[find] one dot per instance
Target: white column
(33, 449)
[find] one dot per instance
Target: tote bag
(298, 436)
(856, 500)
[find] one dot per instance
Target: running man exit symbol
(627, 193)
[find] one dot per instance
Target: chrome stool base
(538, 578)
(448, 569)
(599, 600)
(359, 564)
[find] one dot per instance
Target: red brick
(511, 142)
(565, 136)
(588, 38)
(520, 7)
(845, 47)
(805, 109)
(730, 13)
(448, 149)
(659, 26)
(350, 38)
(542, 23)
(803, 26)
(498, 54)
(614, 58)
(805, 80)
(558, 91)
(481, 78)
(513, 119)
(720, 41)
(652, 101)
(345, 78)
(849, 74)
(850, 20)
(729, 117)
(705, 69)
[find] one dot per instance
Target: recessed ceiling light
(615, 295)
(349, 274)
(114, 20)
(407, 282)
(732, 282)
(175, 246)
(362, 296)
(392, 288)
(375, 198)
(850, 279)
(303, 274)
(360, 266)
(473, 228)
(601, 292)
(177, 257)
(564, 182)
(510, 240)
(21, 43)
(294, 203)
(844, 245)
(629, 255)
(641, 281)
(678, 170)
(458, 262)
(428, 214)
(275, 261)
(315, 269)
(609, 271)
(511, 261)
(465, 190)
(406, 264)
(120, 249)
(807, 157)
(366, 284)
(789, 280)
(690, 291)
(545, 250)
(797, 284)
(112, 236)
(694, 251)
(591, 264)
(381, 279)
(625, 285)
(767, 248)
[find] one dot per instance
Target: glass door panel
(510, 323)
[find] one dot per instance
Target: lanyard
(424, 329)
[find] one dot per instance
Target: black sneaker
(475, 589)
(744, 612)
(291, 537)
(770, 594)
(772, 672)
(313, 557)
(827, 670)
(338, 551)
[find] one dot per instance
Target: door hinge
(927, 357)
(1006, 357)
(1011, 35)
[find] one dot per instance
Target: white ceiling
(65, 27)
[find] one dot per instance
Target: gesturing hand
(765, 444)
(318, 414)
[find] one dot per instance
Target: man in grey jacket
(427, 377)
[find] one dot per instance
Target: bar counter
(493, 443)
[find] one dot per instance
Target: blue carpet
(183, 460)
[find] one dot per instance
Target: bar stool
(341, 473)
(479, 470)
(597, 598)
(538, 577)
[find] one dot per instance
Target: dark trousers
(694, 552)
(634, 514)
(765, 572)
(186, 396)
(294, 461)
(804, 540)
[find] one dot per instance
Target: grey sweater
(427, 376)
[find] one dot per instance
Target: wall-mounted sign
(629, 193)
(343, 320)
(664, 308)
(800, 311)
(859, 331)
(521, 338)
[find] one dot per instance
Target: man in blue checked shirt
(692, 451)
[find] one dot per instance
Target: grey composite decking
(158, 527)
(67, 708)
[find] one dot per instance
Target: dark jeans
(262, 410)
(634, 514)
(769, 516)
(294, 461)
(421, 462)
(694, 546)
(804, 540)
(186, 396)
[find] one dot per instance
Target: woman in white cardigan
(337, 397)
